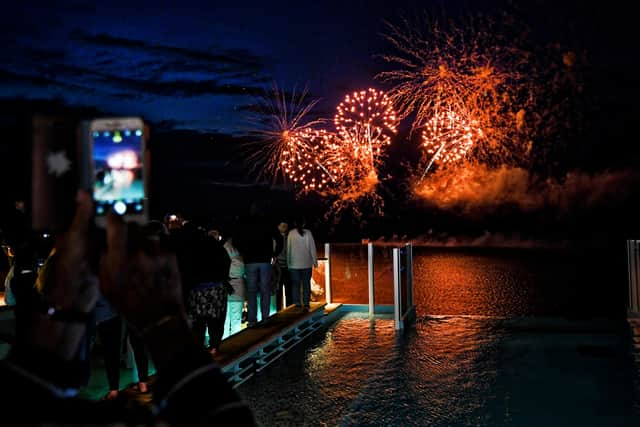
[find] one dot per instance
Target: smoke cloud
(477, 190)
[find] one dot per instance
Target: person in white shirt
(301, 258)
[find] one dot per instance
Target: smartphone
(57, 168)
(119, 168)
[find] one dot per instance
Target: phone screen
(118, 171)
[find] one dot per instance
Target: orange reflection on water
(469, 283)
(445, 281)
(349, 353)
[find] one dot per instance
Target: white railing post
(372, 296)
(327, 273)
(396, 289)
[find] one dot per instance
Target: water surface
(503, 337)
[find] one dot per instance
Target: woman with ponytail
(301, 258)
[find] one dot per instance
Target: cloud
(83, 78)
(220, 60)
(11, 78)
(231, 56)
(148, 86)
(113, 69)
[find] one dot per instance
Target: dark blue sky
(195, 64)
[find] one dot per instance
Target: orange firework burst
(312, 160)
(343, 164)
(447, 138)
(364, 121)
(297, 158)
(280, 147)
(475, 68)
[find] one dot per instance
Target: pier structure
(251, 350)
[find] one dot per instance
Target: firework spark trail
(281, 129)
(447, 138)
(318, 171)
(474, 68)
(321, 166)
(340, 162)
(364, 120)
(341, 165)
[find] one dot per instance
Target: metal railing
(403, 306)
(403, 300)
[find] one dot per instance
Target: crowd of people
(160, 287)
(233, 278)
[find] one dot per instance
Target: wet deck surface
(232, 349)
(249, 339)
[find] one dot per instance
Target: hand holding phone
(106, 157)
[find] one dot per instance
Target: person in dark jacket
(109, 328)
(205, 268)
(283, 282)
(259, 243)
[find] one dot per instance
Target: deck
(251, 350)
(241, 355)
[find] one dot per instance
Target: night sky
(194, 68)
(196, 65)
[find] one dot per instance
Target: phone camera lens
(120, 208)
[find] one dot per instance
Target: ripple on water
(449, 371)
